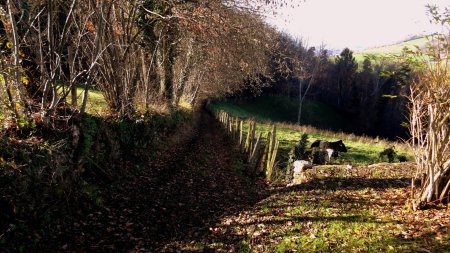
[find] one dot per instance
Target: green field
(96, 103)
(337, 211)
(397, 48)
(394, 49)
(338, 208)
(362, 150)
(282, 109)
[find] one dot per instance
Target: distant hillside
(393, 49)
(397, 47)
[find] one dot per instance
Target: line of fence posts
(261, 152)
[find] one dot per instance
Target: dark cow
(322, 145)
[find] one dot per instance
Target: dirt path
(196, 197)
(175, 201)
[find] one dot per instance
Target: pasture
(336, 211)
(362, 208)
(391, 50)
(283, 109)
(362, 150)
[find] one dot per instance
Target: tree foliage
(138, 53)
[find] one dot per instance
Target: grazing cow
(323, 145)
(327, 150)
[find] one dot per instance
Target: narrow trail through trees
(183, 193)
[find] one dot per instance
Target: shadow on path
(354, 183)
(183, 193)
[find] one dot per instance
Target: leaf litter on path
(194, 198)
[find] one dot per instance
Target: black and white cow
(332, 148)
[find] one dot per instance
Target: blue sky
(357, 24)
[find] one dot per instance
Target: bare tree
(53, 35)
(314, 63)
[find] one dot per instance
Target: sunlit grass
(394, 50)
(185, 105)
(397, 48)
(337, 211)
(96, 103)
(324, 218)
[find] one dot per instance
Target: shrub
(301, 148)
(318, 156)
(388, 154)
(402, 158)
(298, 152)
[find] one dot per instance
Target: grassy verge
(337, 211)
(96, 103)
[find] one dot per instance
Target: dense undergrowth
(48, 174)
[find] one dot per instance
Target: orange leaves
(90, 26)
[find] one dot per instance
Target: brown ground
(197, 197)
(183, 193)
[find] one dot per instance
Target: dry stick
(265, 154)
(274, 153)
(274, 129)
(241, 134)
(444, 191)
(226, 122)
(256, 152)
(252, 143)
(247, 139)
(236, 128)
(269, 155)
(272, 161)
(230, 127)
(233, 124)
(252, 153)
(270, 145)
(230, 119)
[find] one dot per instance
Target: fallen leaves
(190, 199)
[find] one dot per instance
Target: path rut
(176, 200)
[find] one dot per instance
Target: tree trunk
(300, 102)
(72, 84)
(184, 73)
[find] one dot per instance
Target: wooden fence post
(241, 134)
(236, 129)
(252, 144)
(272, 151)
